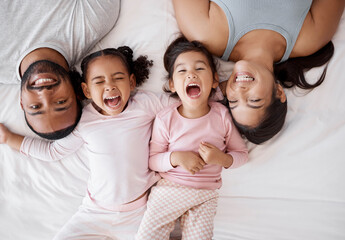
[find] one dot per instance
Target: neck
(43, 54)
(260, 56)
(262, 46)
(190, 112)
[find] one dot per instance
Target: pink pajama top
(173, 132)
(117, 149)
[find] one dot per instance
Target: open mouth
(112, 102)
(244, 77)
(43, 82)
(193, 90)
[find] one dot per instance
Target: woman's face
(108, 84)
(249, 91)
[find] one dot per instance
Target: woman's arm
(319, 26)
(203, 21)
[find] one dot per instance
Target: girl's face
(193, 79)
(108, 84)
(249, 91)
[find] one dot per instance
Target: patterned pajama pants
(169, 201)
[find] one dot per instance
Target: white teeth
(244, 78)
(109, 98)
(193, 84)
(44, 80)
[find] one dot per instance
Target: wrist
(173, 159)
(9, 137)
(227, 161)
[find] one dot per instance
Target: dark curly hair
(289, 74)
(139, 67)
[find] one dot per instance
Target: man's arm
(11, 139)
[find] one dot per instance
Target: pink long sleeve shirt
(172, 132)
(117, 148)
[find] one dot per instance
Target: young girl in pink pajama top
(192, 141)
(115, 128)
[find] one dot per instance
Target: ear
(21, 104)
(86, 90)
(171, 85)
(280, 94)
(215, 80)
(132, 81)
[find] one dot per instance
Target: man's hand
(4, 132)
(11, 139)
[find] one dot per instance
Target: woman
(269, 41)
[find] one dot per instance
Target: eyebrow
(62, 108)
(97, 77)
(36, 113)
(55, 109)
(198, 61)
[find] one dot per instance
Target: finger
(201, 153)
(200, 165)
(208, 145)
(197, 168)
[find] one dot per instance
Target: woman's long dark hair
(289, 74)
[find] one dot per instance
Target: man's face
(48, 98)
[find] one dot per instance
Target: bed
(292, 188)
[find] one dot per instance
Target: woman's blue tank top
(283, 16)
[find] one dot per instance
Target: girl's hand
(4, 133)
(212, 155)
(190, 161)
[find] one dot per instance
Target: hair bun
(127, 51)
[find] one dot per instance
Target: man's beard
(44, 66)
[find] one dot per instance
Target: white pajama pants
(169, 201)
(98, 224)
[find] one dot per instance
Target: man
(41, 41)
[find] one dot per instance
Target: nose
(242, 87)
(110, 88)
(45, 90)
(191, 76)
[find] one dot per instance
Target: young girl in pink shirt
(192, 141)
(115, 129)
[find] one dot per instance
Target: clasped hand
(193, 162)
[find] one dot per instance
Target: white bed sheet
(292, 188)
